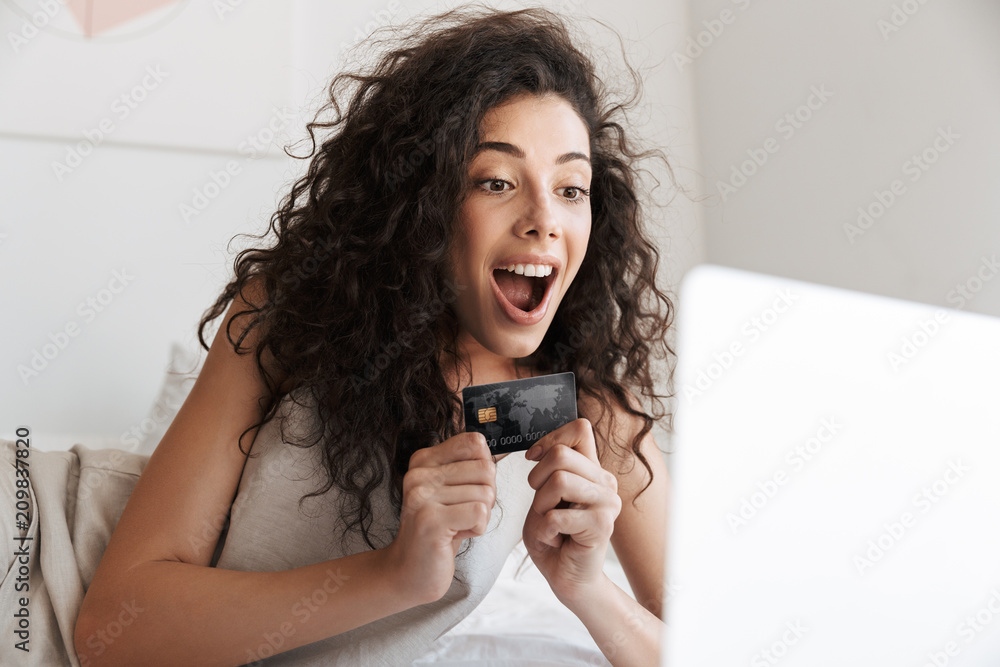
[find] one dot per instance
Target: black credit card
(513, 415)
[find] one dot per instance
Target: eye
(581, 193)
(492, 181)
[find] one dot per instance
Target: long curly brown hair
(358, 309)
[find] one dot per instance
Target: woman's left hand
(573, 513)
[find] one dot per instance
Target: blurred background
(853, 144)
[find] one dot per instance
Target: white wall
(102, 142)
(893, 90)
(222, 79)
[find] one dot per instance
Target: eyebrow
(511, 149)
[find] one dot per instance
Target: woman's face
(527, 208)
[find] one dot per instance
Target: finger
(473, 471)
(462, 447)
(465, 519)
(423, 484)
(562, 457)
(571, 488)
(585, 527)
(456, 495)
(577, 434)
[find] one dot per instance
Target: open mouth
(525, 293)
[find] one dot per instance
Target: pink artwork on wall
(98, 16)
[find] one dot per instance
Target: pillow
(182, 371)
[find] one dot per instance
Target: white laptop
(836, 472)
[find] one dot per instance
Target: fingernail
(533, 453)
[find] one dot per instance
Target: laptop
(836, 479)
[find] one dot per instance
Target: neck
(486, 367)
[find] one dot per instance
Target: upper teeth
(531, 270)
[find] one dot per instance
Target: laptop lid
(836, 478)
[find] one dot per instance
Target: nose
(539, 215)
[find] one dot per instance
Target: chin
(512, 346)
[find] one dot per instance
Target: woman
(480, 147)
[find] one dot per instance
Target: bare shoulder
(611, 423)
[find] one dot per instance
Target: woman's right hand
(448, 494)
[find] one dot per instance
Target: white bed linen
(521, 623)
